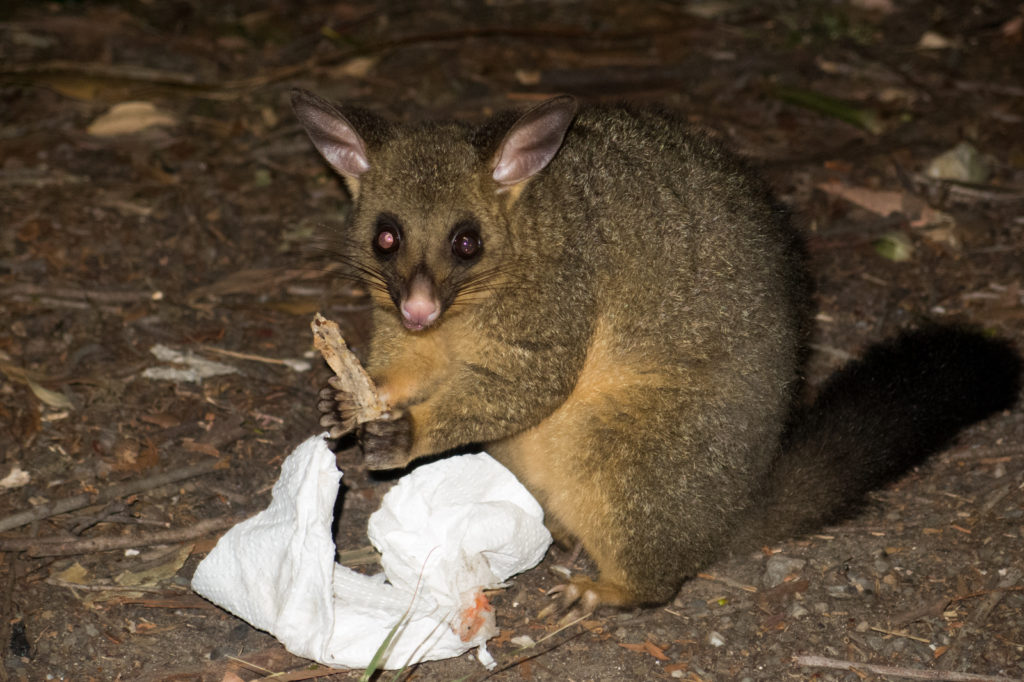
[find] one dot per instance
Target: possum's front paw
(338, 408)
(387, 441)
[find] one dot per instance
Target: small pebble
(778, 568)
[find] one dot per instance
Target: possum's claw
(338, 411)
(575, 600)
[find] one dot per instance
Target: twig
(114, 512)
(928, 610)
(982, 451)
(898, 671)
(7, 611)
(231, 89)
(302, 674)
(530, 655)
(975, 192)
(249, 666)
(101, 587)
(59, 546)
(832, 351)
(727, 581)
(905, 635)
(978, 618)
(45, 511)
(297, 365)
(975, 595)
(37, 179)
(77, 294)
(998, 88)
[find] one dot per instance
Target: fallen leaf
(647, 647)
(879, 202)
(527, 76)
(930, 40)
(76, 574)
(188, 367)
(192, 445)
(523, 641)
(161, 419)
(1012, 28)
(826, 105)
(51, 398)
(894, 246)
(130, 117)
(962, 163)
(130, 455)
(17, 478)
(920, 215)
(156, 574)
(357, 67)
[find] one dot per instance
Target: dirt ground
(201, 233)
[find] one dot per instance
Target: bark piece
(346, 366)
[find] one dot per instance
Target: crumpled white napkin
(446, 531)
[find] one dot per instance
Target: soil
(202, 234)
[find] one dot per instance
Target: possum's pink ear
(332, 135)
(533, 141)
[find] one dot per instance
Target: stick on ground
(898, 671)
(39, 547)
(45, 511)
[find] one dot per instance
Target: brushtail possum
(615, 308)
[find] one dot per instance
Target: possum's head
(428, 229)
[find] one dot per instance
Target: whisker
(477, 284)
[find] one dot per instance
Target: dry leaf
(185, 367)
(130, 117)
(920, 215)
(647, 647)
(931, 40)
(357, 67)
(1013, 27)
(51, 398)
(131, 455)
(894, 246)
(527, 76)
(962, 163)
(17, 478)
(880, 202)
(191, 445)
(162, 419)
(76, 574)
(156, 574)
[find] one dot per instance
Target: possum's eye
(466, 242)
(387, 237)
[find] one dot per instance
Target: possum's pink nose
(421, 307)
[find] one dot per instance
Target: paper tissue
(446, 531)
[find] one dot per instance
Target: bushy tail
(877, 417)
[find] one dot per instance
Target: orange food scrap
(473, 617)
(647, 647)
